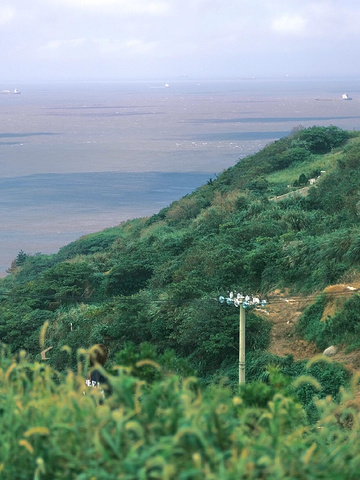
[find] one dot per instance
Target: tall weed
(52, 427)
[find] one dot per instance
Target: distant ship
(344, 96)
(15, 92)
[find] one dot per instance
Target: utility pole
(242, 345)
(243, 302)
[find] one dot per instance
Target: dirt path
(284, 311)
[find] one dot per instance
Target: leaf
(309, 453)
(37, 430)
(318, 358)
(9, 370)
(27, 445)
(135, 427)
(141, 363)
(307, 379)
(42, 334)
(66, 348)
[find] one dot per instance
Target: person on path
(98, 357)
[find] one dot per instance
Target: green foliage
(53, 427)
(301, 181)
(351, 157)
(258, 185)
(310, 325)
(155, 280)
(92, 243)
(148, 290)
(128, 277)
(322, 139)
(145, 362)
(314, 380)
(258, 332)
(293, 156)
(344, 325)
(256, 394)
(340, 328)
(33, 265)
(21, 258)
(330, 378)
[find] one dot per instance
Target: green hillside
(258, 226)
(283, 220)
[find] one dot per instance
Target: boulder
(330, 351)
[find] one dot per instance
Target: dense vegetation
(148, 288)
(157, 279)
(171, 429)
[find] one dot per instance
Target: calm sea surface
(78, 158)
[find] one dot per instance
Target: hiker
(98, 357)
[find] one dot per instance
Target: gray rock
(330, 351)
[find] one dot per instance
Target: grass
(52, 427)
(318, 162)
(289, 175)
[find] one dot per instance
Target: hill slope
(285, 218)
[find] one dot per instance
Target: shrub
(53, 427)
(344, 325)
(323, 139)
(128, 277)
(310, 325)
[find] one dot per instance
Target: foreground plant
(170, 429)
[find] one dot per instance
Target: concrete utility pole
(243, 302)
(242, 345)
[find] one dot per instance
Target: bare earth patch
(285, 310)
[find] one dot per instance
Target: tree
(70, 281)
(21, 258)
(128, 277)
(259, 185)
(323, 139)
(18, 261)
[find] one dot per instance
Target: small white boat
(8, 92)
(346, 97)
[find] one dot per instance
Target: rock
(295, 318)
(330, 351)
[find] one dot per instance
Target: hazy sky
(166, 39)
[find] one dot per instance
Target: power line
(271, 300)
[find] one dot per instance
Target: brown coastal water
(78, 158)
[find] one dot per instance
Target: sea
(76, 158)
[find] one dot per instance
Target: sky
(73, 40)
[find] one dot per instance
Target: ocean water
(77, 158)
